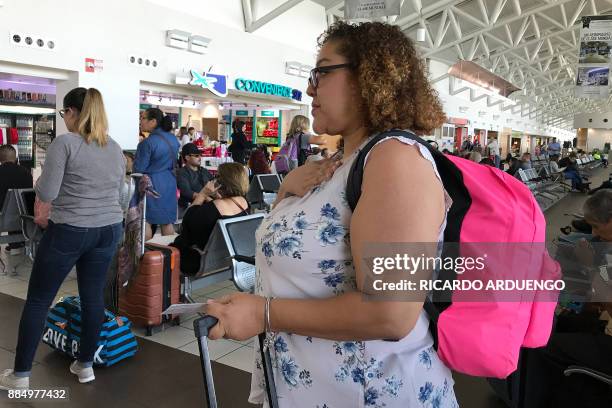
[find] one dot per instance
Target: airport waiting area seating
(520, 389)
(263, 190)
(10, 226)
(548, 188)
(17, 222)
(228, 254)
(32, 232)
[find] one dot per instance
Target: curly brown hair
(391, 77)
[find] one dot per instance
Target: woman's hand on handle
(241, 316)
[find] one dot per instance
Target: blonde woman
(299, 134)
(82, 179)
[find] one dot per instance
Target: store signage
(458, 121)
(268, 113)
(93, 65)
(371, 8)
(216, 84)
(242, 113)
(248, 85)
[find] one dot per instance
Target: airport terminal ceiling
(532, 44)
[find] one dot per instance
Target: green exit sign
(242, 113)
(268, 113)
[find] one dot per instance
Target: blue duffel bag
(63, 333)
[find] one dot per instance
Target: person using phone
(192, 177)
(221, 198)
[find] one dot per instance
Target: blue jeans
(497, 161)
(574, 177)
(61, 248)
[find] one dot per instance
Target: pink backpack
(483, 336)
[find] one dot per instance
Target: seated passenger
(475, 157)
(191, 178)
(572, 172)
(487, 162)
(584, 339)
(554, 164)
(515, 165)
(199, 221)
(12, 176)
(526, 161)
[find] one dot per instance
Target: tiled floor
(233, 353)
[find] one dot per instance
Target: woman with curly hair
(330, 346)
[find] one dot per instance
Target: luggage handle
(202, 327)
(143, 223)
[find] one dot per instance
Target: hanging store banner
(595, 58)
(371, 8)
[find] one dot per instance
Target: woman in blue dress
(156, 157)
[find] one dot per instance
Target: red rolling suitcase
(155, 287)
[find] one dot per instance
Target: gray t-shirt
(305, 140)
(82, 181)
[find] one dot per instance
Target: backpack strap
(451, 176)
(452, 180)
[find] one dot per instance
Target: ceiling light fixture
(420, 34)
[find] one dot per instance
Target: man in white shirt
(493, 148)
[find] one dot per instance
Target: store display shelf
(25, 103)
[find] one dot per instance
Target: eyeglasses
(63, 112)
(315, 73)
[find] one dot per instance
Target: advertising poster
(593, 72)
(446, 143)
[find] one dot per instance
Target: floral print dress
(303, 251)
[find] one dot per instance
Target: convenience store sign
(248, 85)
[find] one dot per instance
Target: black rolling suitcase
(201, 327)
